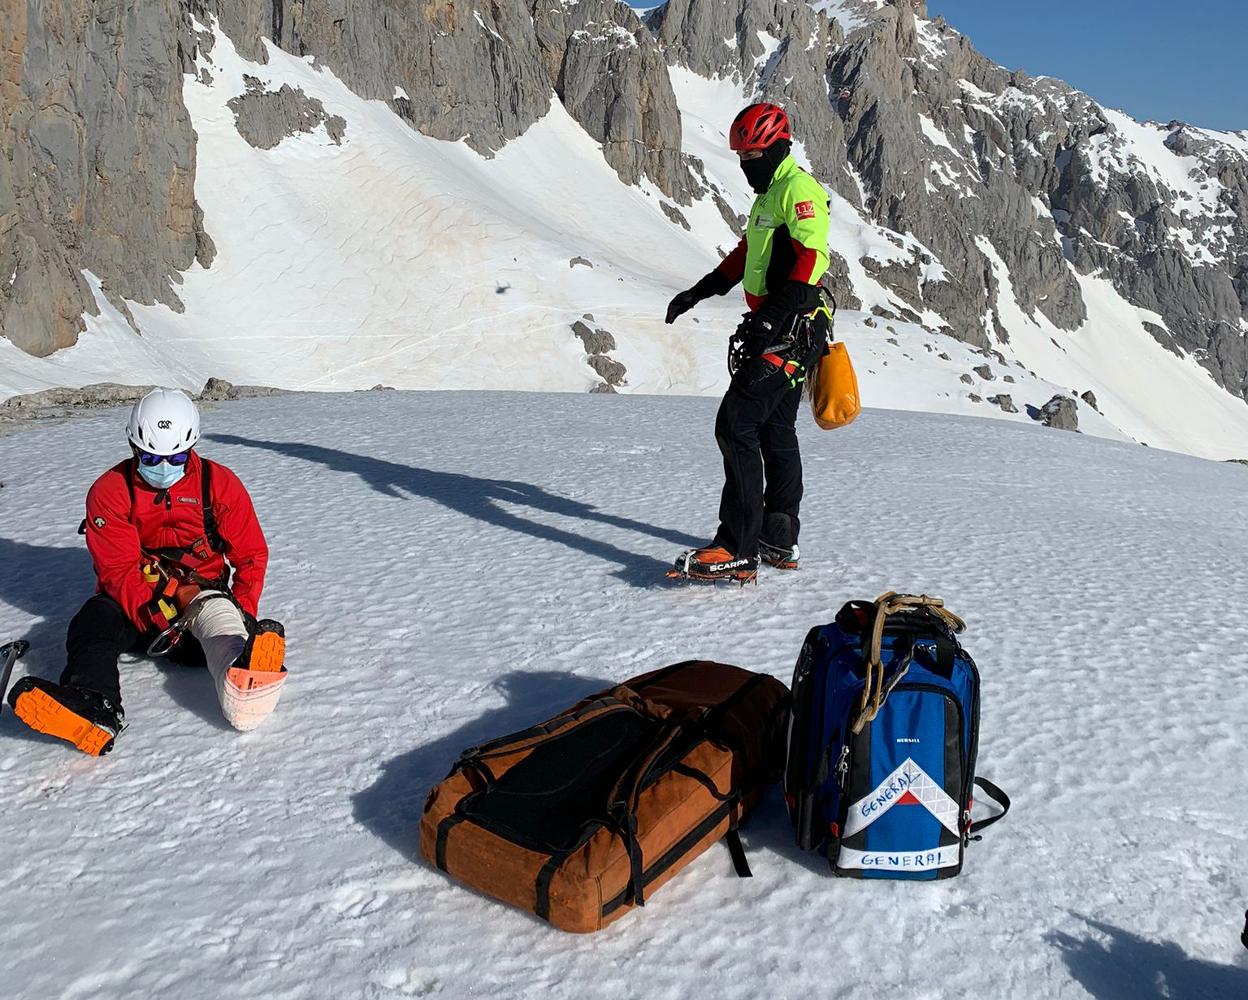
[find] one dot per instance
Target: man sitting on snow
(164, 529)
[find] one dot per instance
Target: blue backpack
(882, 742)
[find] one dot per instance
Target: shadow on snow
(1118, 965)
(52, 582)
(482, 499)
(391, 807)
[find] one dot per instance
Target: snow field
(453, 566)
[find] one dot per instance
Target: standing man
(779, 261)
(164, 528)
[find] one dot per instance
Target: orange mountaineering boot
(77, 715)
(714, 562)
(252, 687)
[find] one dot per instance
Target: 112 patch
(805, 209)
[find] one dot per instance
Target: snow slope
(453, 566)
(401, 260)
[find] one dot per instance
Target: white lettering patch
(911, 784)
(898, 861)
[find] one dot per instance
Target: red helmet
(758, 126)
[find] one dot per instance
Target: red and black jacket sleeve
(116, 553)
(726, 274)
(731, 269)
(244, 541)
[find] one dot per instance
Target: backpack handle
(874, 694)
(996, 795)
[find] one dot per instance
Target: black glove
(710, 284)
(681, 304)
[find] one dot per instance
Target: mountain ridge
(931, 150)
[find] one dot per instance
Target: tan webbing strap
(874, 694)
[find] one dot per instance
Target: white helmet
(164, 422)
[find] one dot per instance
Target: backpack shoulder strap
(215, 541)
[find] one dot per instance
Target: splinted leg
(247, 670)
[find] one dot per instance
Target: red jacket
(121, 522)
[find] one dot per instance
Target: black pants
(98, 635)
(757, 435)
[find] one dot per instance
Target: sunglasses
(147, 458)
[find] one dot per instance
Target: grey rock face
(96, 395)
(97, 154)
(266, 117)
(1175, 248)
(970, 170)
(597, 341)
(471, 71)
(1089, 397)
(979, 163)
(984, 372)
(609, 73)
(777, 46)
(61, 404)
(218, 389)
(612, 371)
(483, 72)
(1005, 401)
(97, 161)
(1060, 412)
(675, 215)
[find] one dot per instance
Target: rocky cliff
(97, 163)
(996, 192)
(901, 116)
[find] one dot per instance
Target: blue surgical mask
(161, 476)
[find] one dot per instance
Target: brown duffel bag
(580, 818)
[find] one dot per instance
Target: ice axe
(12, 652)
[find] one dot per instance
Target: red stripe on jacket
(732, 267)
(804, 264)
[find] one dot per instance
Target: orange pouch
(834, 396)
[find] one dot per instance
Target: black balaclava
(759, 171)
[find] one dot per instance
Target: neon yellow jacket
(786, 238)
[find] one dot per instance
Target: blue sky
(1155, 59)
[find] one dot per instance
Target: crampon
(714, 563)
